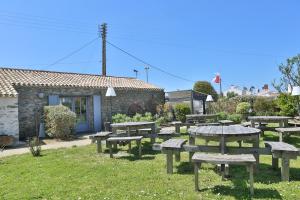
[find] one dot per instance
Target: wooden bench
(172, 147)
(179, 124)
(294, 122)
(287, 131)
(147, 133)
(208, 124)
(98, 137)
(167, 134)
(115, 140)
(285, 152)
(226, 122)
(242, 159)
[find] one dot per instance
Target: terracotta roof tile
(10, 77)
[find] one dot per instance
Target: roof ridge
(61, 72)
(31, 77)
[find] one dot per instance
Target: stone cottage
(24, 92)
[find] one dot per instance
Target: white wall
(9, 122)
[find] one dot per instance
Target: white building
(237, 90)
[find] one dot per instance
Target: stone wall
(9, 124)
(30, 103)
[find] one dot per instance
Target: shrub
(222, 115)
(166, 111)
(147, 117)
(287, 105)
(243, 108)
(135, 108)
(139, 117)
(35, 146)
(160, 120)
(59, 121)
(181, 110)
(264, 106)
(119, 118)
(236, 118)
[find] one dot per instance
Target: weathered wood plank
(100, 134)
(118, 139)
(288, 130)
(173, 143)
(224, 158)
(233, 130)
(281, 146)
(166, 132)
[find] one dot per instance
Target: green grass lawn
(81, 173)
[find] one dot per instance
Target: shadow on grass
(136, 157)
(241, 191)
(266, 174)
(239, 177)
(185, 168)
(147, 152)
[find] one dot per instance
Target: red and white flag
(217, 79)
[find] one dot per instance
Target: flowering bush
(59, 121)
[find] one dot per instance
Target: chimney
(266, 87)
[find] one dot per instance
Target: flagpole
(221, 87)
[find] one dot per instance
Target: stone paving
(52, 144)
(82, 141)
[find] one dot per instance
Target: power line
(148, 64)
(43, 18)
(73, 52)
(62, 63)
(43, 27)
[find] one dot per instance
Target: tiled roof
(10, 77)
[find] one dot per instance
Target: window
(78, 105)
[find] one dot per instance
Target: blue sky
(243, 40)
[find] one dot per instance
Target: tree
(206, 88)
(290, 74)
(231, 95)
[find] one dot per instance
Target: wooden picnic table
(225, 134)
(135, 126)
(282, 120)
(201, 117)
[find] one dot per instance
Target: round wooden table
(282, 120)
(225, 134)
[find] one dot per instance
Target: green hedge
(119, 118)
(181, 110)
(243, 108)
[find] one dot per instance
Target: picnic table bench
(276, 149)
(287, 131)
(98, 137)
(285, 152)
(167, 134)
(226, 122)
(294, 122)
(242, 159)
(208, 124)
(171, 147)
(179, 124)
(116, 140)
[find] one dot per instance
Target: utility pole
(103, 31)
(136, 73)
(147, 69)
